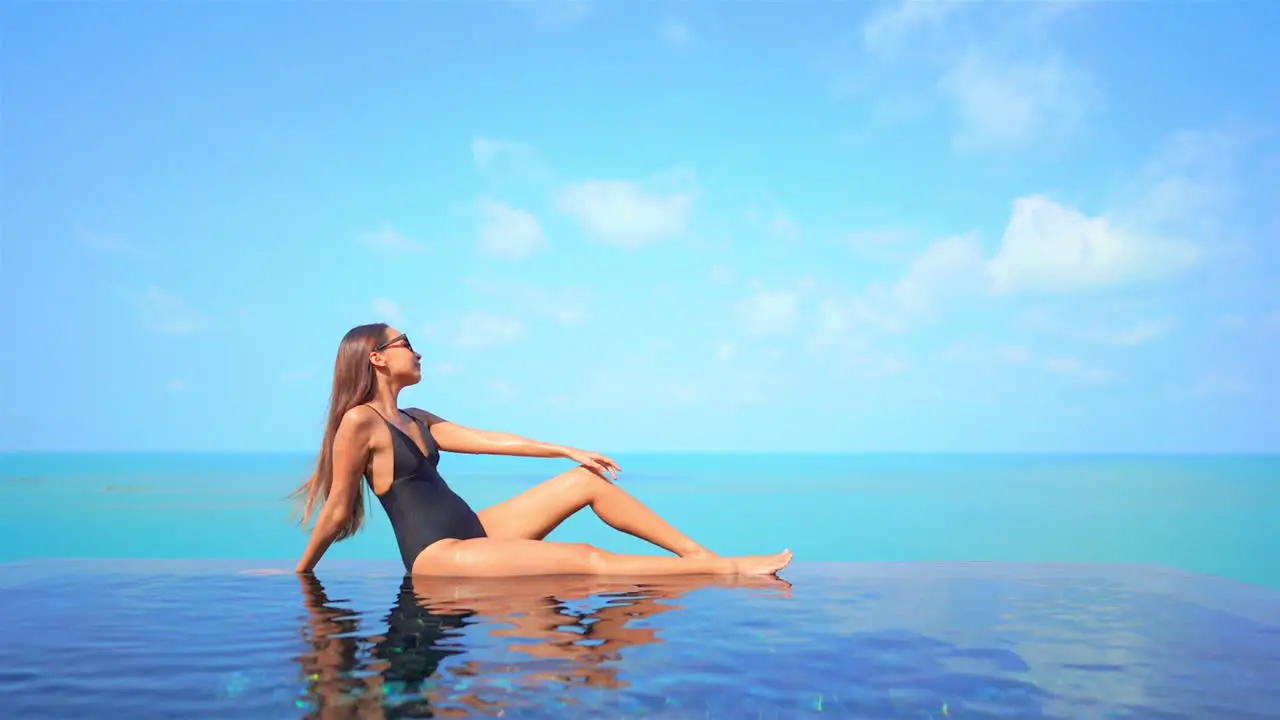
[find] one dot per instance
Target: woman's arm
(350, 457)
(452, 437)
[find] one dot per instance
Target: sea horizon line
(686, 453)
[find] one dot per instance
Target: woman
(369, 437)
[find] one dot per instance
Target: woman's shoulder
(429, 418)
(360, 417)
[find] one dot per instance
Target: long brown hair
(354, 383)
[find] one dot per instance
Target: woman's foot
(762, 564)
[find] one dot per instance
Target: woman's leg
(500, 557)
(534, 513)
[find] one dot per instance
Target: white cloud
(863, 239)
(447, 368)
(503, 391)
(949, 268)
(665, 291)
(882, 245)
(109, 244)
(1004, 104)
(1079, 370)
(677, 32)
(566, 311)
(891, 28)
(1046, 248)
(1141, 332)
(995, 69)
(1195, 186)
(486, 152)
(886, 366)
(778, 224)
(558, 12)
(1172, 214)
(480, 330)
(626, 213)
(508, 233)
(1232, 322)
(388, 239)
(676, 393)
(565, 305)
(783, 226)
(1051, 248)
(387, 311)
(721, 274)
(1260, 321)
(1221, 384)
(1097, 326)
(977, 353)
(169, 313)
(836, 320)
(508, 160)
(629, 388)
(857, 358)
(769, 312)
(1015, 354)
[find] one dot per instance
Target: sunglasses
(402, 338)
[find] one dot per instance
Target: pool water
(196, 639)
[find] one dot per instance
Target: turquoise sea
(925, 586)
(1214, 514)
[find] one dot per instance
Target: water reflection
(455, 647)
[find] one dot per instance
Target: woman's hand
(595, 462)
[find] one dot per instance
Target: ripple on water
(204, 643)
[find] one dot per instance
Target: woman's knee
(591, 557)
(583, 482)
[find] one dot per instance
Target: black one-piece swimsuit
(421, 506)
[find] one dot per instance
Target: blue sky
(647, 226)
